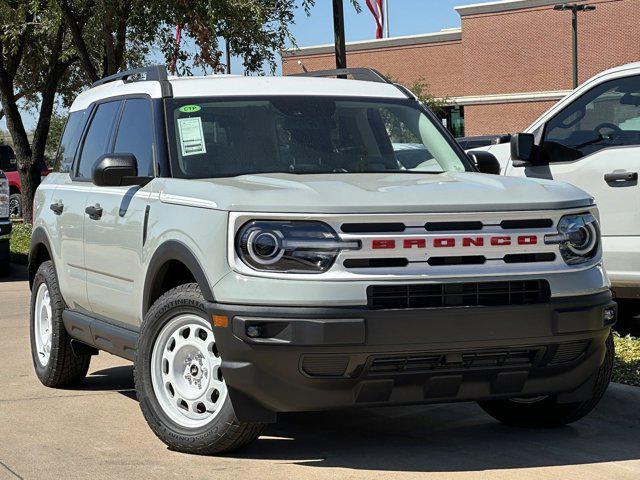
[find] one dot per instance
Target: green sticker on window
(190, 108)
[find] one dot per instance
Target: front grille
(470, 294)
(471, 360)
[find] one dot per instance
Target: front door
(594, 144)
(113, 233)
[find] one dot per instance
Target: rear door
(113, 240)
(594, 143)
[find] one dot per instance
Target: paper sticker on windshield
(191, 136)
(190, 108)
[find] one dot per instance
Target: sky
(406, 17)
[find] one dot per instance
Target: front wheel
(179, 380)
(546, 411)
(15, 205)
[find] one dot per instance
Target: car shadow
(433, 438)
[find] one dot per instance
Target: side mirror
(485, 161)
(117, 170)
(522, 146)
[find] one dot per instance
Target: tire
(177, 369)
(15, 205)
(55, 362)
(547, 412)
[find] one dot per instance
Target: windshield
(304, 135)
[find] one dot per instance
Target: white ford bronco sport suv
(255, 246)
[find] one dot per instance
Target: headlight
(578, 237)
(4, 197)
(290, 246)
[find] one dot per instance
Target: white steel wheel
(43, 325)
(185, 372)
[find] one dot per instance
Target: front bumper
(306, 359)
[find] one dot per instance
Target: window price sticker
(191, 136)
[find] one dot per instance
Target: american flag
(375, 6)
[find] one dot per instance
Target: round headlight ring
(590, 236)
(265, 246)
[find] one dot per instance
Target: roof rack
(366, 74)
(157, 73)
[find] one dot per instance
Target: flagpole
(386, 18)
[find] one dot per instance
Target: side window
(69, 142)
(135, 134)
(96, 142)
(606, 116)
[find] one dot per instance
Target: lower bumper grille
(478, 360)
(470, 294)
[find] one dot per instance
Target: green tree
(49, 49)
(35, 56)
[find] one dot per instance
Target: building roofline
(501, 6)
(445, 35)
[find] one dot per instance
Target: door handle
(57, 208)
(94, 212)
(620, 177)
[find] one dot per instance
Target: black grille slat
(375, 262)
(457, 260)
(524, 224)
(373, 227)
(529, 257)
(476, 294)
(453, 226)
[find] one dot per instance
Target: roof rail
(360, 73)
(157, 73)
(366, 74)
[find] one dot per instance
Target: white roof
(236, 85)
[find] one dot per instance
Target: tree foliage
(50, 49)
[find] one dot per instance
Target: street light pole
(338, 29)
(574, 8)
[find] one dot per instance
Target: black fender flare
(174, 250)
(38, 237)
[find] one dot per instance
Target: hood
(374, 193)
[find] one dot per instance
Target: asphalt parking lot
(97, 431)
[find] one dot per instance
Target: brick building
(509, 62)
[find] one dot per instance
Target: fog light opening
(254, 331)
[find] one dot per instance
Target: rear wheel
(179, 380)
(55, 362)
(546, 411)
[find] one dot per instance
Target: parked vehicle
(9, 166)
(470, 143)
(5, 224)
(591, 139)
(255, 246)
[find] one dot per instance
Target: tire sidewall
(157, 317)
(46, 275)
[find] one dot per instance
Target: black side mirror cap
(485, 161)
(117, 170)
(522, 147)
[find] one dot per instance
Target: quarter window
(69, 142)
(606, 116)
(97, 140)
(135, 134)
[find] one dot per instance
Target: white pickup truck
(591, 139)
